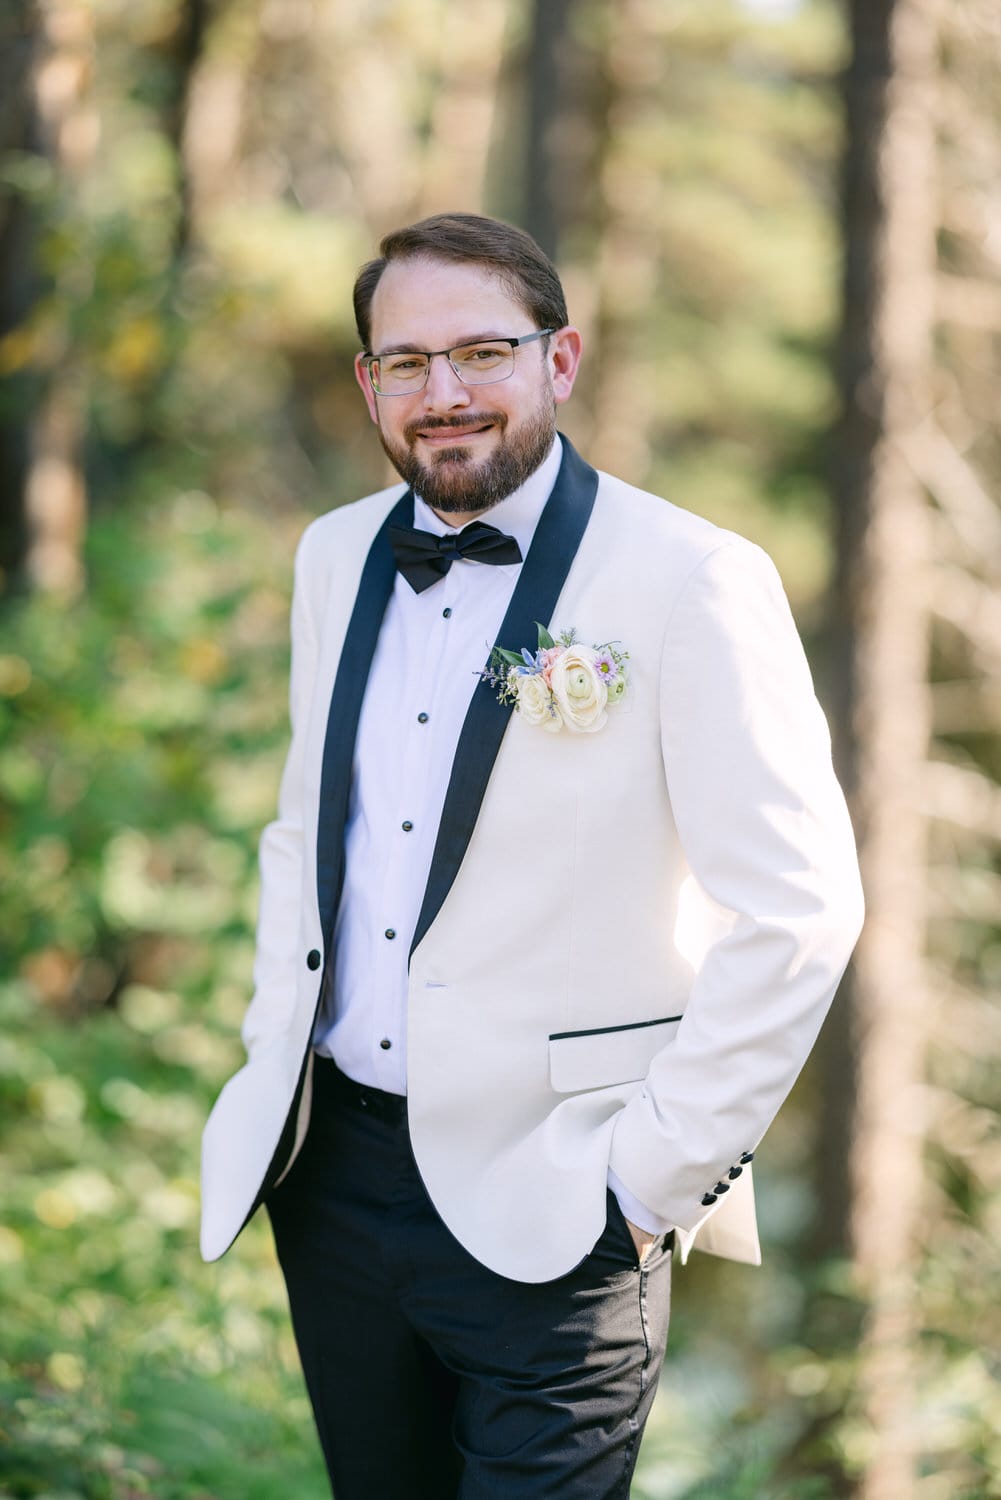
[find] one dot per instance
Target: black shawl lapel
(543, 574)
(355, 663)
(374, 589)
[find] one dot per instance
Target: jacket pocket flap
(608, 1055)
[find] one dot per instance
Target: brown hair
(510, 253)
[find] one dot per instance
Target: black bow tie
(423, 558)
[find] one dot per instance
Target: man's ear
(361, 375)
(564, 353)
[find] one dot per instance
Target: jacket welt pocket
(607, 1055)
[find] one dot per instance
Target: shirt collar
(517, 515)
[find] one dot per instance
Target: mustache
(464, 423)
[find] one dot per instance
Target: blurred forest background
(780, 229)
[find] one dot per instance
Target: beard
(454, 481)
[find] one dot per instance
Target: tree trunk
(188, 44)
(19, 41)
(883, 559)
(628, 261)
(55, 493)
(207, 124)
(550, 128)
(454, 168)
(55, 487)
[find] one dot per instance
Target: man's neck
(457, 518)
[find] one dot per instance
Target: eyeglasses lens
(475, 364)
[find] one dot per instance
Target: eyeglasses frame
(368, 360)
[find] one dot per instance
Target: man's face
(463, 447)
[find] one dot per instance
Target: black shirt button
(747, 1156)
(721, 1187)
(313, 958)
(407, 826)
(734, 1173)
(390, 932)
(422, 718)
(385, 1044)
(446, 614)
(708, 1200)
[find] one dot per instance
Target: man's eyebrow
(472, 338)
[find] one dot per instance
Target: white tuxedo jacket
(629, 939)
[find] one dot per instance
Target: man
(540, 952)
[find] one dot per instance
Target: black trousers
(432, 1377)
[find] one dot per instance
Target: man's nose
(444, 390)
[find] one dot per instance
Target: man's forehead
(434, 303)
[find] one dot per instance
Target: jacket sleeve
(766, 833)
(278, 958)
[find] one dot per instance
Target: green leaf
(513, 658)
(545, 639)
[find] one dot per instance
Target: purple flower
(606, 666)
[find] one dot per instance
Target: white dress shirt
(430, 650)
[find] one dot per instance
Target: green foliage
(143, 734)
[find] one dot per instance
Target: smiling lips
(448, 434)
(442, 438)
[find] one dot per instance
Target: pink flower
(547, 659)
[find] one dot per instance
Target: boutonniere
(562, 684)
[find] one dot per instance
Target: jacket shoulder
(353, 524)
(675, 542)
(333, 548)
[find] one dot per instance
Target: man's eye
(481, 354)
(411, 366)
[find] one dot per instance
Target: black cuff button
(313, 958)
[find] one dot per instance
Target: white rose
(579, 690)
(535, 701)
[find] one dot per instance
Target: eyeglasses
(405, 373)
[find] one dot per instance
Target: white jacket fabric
(629, 938)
